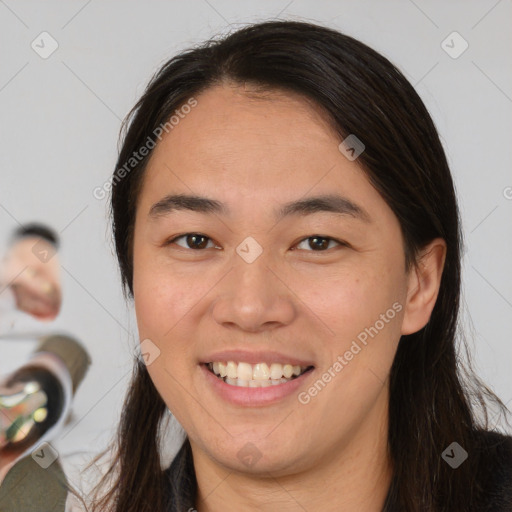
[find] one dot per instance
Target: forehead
(231, 123)
(234, 144)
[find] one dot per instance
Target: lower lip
(253, 397)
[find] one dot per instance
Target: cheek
(360, 311)
(161, 302)
(161, 296)
(149, 299)
(349, 302)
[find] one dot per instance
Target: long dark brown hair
(435, 397)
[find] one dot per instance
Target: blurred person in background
(36, 397)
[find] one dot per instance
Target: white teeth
(276, 371)
(258, 375)
(244, 371)
(260, 372)
(287, 370)
(231, 370)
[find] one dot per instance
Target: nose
(254, 297)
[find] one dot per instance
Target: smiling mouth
(256, 375)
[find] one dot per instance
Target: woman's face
(308, 288)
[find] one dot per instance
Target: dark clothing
(27, 487)
(494, 478)
(181, 491)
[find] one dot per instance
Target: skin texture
(254, 155)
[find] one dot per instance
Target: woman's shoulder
(495, 470)
(497, 447)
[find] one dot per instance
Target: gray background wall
(60, 118)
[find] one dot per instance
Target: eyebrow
(332, 203)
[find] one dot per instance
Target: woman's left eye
(320, 243)
(197, 241)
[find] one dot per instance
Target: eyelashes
(190, 237)
(198, 242)
(320, 238)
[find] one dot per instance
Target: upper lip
(255, 356)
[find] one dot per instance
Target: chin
(256, 455)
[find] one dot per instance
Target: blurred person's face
(329, 295)
(33, 277)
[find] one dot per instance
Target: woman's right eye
(195, 241)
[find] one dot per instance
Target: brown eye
(194, 241)
(319, 243)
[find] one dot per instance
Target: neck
(355, 476)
